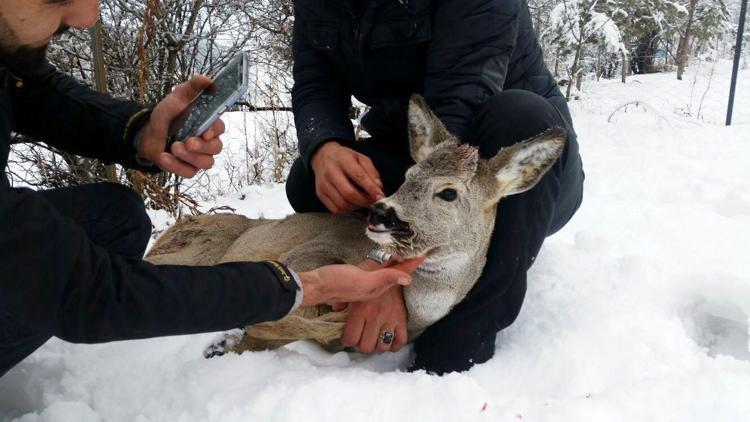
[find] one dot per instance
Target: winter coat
(456, 53)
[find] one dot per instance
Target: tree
(577, 24)
(645, 25)
(705, 20)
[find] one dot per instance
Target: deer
(445, 211)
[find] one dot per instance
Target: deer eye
(448, 195)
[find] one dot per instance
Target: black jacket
(55, 280)
(456, 53)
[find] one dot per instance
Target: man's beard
(24, 58)
(20, 57)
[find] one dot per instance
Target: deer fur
(453, 233)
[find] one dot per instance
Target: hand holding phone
(228, 86)
(178, 115)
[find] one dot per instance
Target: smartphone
(228, 86)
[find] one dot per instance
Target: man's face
(26, 26)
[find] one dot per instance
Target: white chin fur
(381, 239)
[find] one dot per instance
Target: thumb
(387, 277)
(187, 91)
(409, 265)
(176, 102)
(338, 306)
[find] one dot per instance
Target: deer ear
(426, 131)
(518, 168)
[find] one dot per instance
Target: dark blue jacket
(456, 53)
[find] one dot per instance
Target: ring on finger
(386, 337)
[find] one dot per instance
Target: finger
(375, 283)
(369, 340)
(168, 162)
(409, 265)
(370, 179)
(200, 161)
(216, 130)
(184, 93)
(400, 338)
(328, 203)
(387, 277)
(364, 181)
(338, 204)
(339, 306)
(187, 91)
(174, 103)
(383, 347)
(201, 146)
(354, 197)
(370, 265)
(369, 166)
(352, 330)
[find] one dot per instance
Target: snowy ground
(637, 310)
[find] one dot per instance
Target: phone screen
(210, 103)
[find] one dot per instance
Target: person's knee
(510, 117)
(518, 106)
(300, 189)
(132, 208)
(17, 341)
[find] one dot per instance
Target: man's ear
(426, 131)
(519, 168)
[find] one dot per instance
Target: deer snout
(382, 215)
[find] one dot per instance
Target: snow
(637, 310)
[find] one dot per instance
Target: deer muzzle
(383, 218)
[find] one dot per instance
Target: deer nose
(380, 214)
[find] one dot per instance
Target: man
(480, 68)
(71, 262)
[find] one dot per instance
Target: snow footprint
(735, 203)
(720, 326)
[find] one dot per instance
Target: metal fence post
(735, 67)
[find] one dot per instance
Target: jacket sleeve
(319, 101)
(468, 57)
(55, 280)
(76, 118)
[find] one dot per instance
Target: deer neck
(445, 277)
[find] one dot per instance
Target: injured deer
(445, 210)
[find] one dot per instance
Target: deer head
(449, 199)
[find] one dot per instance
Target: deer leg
(316, 323)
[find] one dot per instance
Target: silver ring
(378, 255)
(386, 337)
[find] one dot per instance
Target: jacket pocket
(407, 31)
(324, 35)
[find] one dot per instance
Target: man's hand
(184, 158)
(366, 320)
(345, 180)
(347, 283)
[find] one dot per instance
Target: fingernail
(403, 281)
(379, 196)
